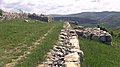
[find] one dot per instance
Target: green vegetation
(38, 54)
(101, 55)
(101, 28)
(1, 11)
(115, 32)
(16, 36)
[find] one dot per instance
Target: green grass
(19, 34)
(38, 54)
(100, 55)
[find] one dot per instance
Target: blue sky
(60, 6)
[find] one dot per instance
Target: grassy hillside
(100, 55)
(18, 37)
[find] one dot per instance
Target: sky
(60, 6)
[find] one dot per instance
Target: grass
(17, 35)
(100, 55)
(38, 54)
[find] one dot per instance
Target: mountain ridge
(105, 18)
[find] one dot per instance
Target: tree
(98, 26)
(1, 12)
(102, 28)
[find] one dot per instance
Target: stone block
(72, 64)
(72, 57)
(102, 38)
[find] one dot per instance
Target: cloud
(1, 2)
(60, 6)
(95, 1)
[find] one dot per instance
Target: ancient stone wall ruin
(9, 15)
(41, 17)
(66, 53)
(95, 34)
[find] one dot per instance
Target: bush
(102, 28)
(111, 32)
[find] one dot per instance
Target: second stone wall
(95, 34)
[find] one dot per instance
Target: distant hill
(93, 15)
(56, 15)
(111, 21)
(77, 19)
(105, 18)
(87, 14)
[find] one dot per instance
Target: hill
(109, 19)
(91, 15)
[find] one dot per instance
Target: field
(25, 44)
(101, 55)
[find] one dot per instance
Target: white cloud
(60, 6)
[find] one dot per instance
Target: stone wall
(66, 53)
(9, 15)
(41, 17)
(95, 34)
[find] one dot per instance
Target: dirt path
(37, 42)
